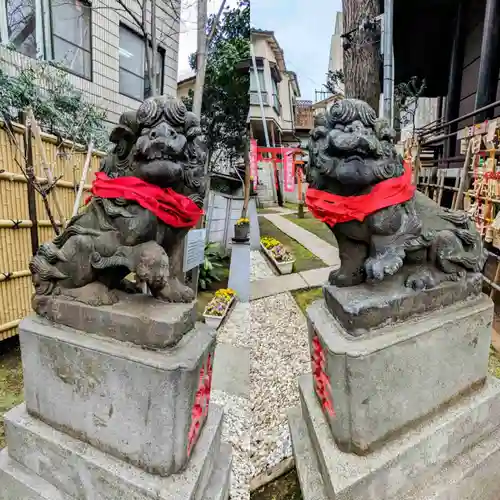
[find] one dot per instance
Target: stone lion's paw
(377, 268)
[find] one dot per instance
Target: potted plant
(241, 229)
(219, 305)
(279, 255)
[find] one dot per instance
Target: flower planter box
(215, 321)
(283, 267)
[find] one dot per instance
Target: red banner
(254, 168)
(288, 170)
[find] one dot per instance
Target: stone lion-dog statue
(148, 193)
(362, 189)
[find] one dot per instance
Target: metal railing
(254, 98)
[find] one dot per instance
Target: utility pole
(201, 57)
(388, 86)
(201, 68)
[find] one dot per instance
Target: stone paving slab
(275, 285)
(317, 277)
(288, 282)
(232, 370)
(326, 252)
(231, 390)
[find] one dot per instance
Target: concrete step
(473, 475)
(421, 450)
(220, 482)
(18, 483)
(82, 471)
(311, 483)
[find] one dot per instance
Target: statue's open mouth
(160, 151)
(353, 158)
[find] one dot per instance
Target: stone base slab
(447, 457)
(368, 306)
(140, 319)
(132, 403)
(43, 463)
(373, 387)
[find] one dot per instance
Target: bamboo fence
(17, 236)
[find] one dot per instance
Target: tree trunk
(362, 58)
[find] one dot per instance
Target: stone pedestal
(404, 412)
(239, 270)
(105, 419)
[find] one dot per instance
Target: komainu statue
(361, 188)
(147, 195)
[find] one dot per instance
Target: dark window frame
(6, 8)
(161, 51)
(90, 51)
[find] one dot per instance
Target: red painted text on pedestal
(320, 378)
(199, 411)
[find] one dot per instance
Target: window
(71, 36)
(134, 81)
(19, 26)
(55, 29)
(276, 96)
(157, 73)
(253, 81)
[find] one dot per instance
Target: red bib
(173, 208)
(333, 208)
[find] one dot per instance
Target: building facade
(336, 59)
(279, 90)
(288, 119)
(100, 44)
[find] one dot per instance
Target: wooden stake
(86, 168)
(45, 165)
(28, 147)
(459, 200)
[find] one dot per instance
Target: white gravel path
(279, 354)
(274, 332)
(237, 419)
(236, 431)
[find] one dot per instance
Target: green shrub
(210, 270)
(59, 108)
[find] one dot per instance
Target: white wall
(223, 212)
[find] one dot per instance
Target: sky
(303, 29)
(187, 37)
(304, 34)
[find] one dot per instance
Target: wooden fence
(16, 245)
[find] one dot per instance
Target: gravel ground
(274, 330)
(237, 420)
(279, 354)
(235, 330)
(236, 431)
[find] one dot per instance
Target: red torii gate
(276, 155)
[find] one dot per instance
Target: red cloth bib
(173, 208)
(332, 208)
